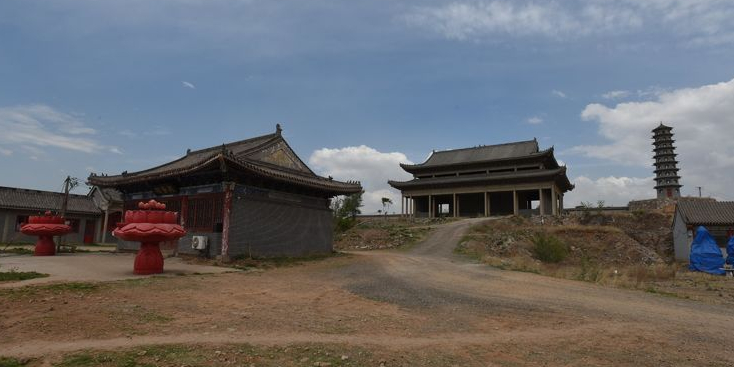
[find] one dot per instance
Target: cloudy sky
(359, 86)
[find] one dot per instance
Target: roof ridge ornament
(278, 129)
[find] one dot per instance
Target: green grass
(20, 275)
(16, 251)
(11, 362)
(548, 248)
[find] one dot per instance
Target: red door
(89, 230)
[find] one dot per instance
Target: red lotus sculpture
(45, 227)
(150, 225)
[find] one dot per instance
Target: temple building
(253, 197)
(514, 178)
(666, 165)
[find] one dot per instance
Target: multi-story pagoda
(513, 178)
(666, 166)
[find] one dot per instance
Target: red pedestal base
(45, 246)
(149, 259)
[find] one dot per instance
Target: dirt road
(426, 302)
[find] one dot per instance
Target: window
(204, 214)
(19, 221)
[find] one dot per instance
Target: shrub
(548, 248)
(344, 224)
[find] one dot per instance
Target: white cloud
(43, 126)
(535, 120)
(614, 191)
(6, 152)
(616, 94)
(693, 22)
(367, 165)
(558, 93)
(187, 85)
(703, 122)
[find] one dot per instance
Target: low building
(253, 197)
(17, 204)
(716, 216)
(514, 178)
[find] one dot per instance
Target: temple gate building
(253, 197)
(666, 165)
(514, 178)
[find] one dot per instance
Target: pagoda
(666, 166)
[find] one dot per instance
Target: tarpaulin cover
(705, 253)
(730, 252)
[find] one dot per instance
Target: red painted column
(184, 211)
(227, 211)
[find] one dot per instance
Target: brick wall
(270, 224)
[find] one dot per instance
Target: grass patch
(13, 275)
(307, 354)
(548, 248)
(245, 263)
(16, 251)
(12, 362)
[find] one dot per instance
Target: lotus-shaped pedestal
(45, 227)
(149, 226)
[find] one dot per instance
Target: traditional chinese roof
(558, 175)
(706, 212)
(486, 155)
(36, 200)
(267, 157)
(662, 128)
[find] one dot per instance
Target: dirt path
(426, 297)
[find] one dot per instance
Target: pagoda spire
(666, 166)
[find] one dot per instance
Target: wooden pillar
(456, 207)
(541, 207)
(486, 204)
(227, 211)
(6, 227)
(104, 226)
(560, 203)
(402, 206)
(515, 203)
(554, 204)
(430, 206)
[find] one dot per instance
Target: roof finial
(278, 129)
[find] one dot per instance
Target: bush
(548, 248)
(344, 224)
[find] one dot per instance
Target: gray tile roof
(705, 212)
(249, 155)
(558, 174)
(26, 199)
(482, 153)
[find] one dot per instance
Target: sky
(361, 86)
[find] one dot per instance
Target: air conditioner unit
(199, 242)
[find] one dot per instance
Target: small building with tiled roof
(253, 197)
(716, 216)
(512, 178)
(16, 204)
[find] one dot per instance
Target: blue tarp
(730, 252)
(705, 253)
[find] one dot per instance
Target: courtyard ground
(424, 306)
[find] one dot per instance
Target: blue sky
(358, 86)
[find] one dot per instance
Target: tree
(350, 206)
(386, 202)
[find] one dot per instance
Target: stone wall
(667, 204)
(269, 224)
(8, 234)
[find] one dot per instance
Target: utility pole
(699, 191)
(64, 205)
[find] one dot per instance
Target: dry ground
(421, 307)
